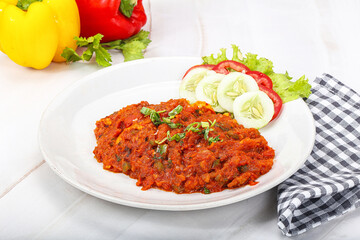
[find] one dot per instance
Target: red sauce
(129, 142)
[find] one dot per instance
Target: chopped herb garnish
(207, 129)
(214, 139)
(147, 111)
(118, 158)
(205, 124)
(177, 137)
(194, 127)
(206, 190)
(154, 115)
(156, 119)
(166, 120)
(174, 125)
(162, 141)
(212, 123)
(161, 149)
(175, 111)
(171, 124)
(206, 132)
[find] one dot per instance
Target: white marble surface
(303, 37)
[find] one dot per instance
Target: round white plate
(67, 140)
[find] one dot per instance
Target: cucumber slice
(191, 80)
(206, 91)
(253, 109)
(233, 85)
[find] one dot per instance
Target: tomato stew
(175, 146)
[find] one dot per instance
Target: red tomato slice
(223, 66)
(261, 78)
(275, 98)
(207, 66)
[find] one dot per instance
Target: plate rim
(165, 207)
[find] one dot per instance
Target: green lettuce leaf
(289, 90)
(215, 60)
(258, 64)
(237, 55)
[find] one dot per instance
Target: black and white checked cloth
(328, 185)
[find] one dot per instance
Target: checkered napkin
(328, 185)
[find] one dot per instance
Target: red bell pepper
(106, 17)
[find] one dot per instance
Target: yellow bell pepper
(37, 36)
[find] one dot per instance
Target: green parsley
(102, 56)
(132, 48)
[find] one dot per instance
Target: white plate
(67, 140)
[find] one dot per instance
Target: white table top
(302, 37)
